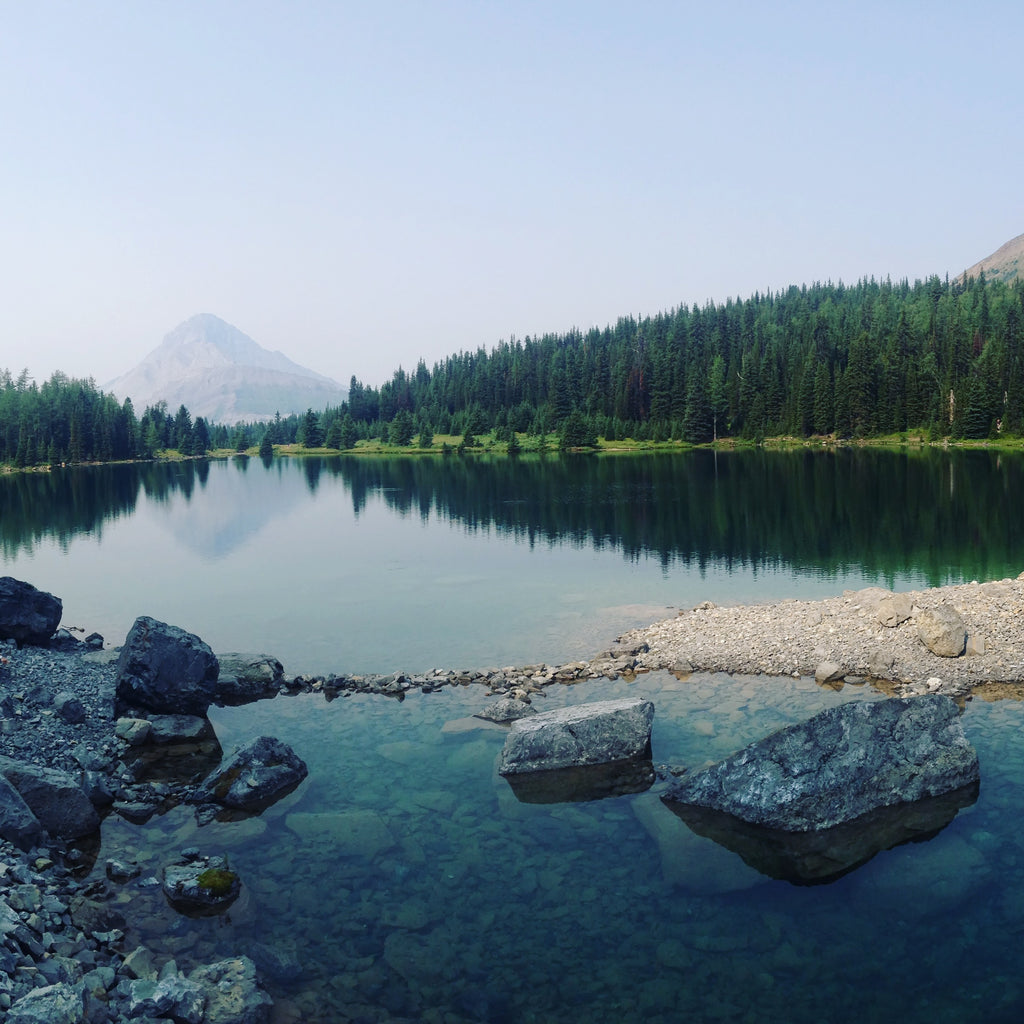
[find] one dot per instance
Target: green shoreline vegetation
(876, 363)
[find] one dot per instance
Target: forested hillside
(868, 359)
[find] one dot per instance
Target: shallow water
(403, 879)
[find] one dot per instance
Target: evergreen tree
(312, 435)
(577, 432)
(349, 434)
(401, 428)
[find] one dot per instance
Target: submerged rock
(201, 885)
(232, 993)
(585, 734)
(839, 765)
(507, 709)
(255, 775)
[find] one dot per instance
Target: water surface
(352, 564)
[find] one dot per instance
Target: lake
(359, 565)
(404, 880)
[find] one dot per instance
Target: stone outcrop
(585, 734)
(839, 765)
(942, 631)
(27, 615)
(255, 775)
(166, 670)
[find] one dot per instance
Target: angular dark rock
(584, 734)
(27, 615)
(255, 775)
(55, 798)
(839, 765)
(18, 824)
(164, 669)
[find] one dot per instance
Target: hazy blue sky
(361, 185)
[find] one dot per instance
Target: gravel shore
(797, 637)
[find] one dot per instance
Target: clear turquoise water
(409, 883)
(403, 880)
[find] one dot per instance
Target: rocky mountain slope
(1005, 264)
(221, 374)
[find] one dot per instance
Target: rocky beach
(67, 947)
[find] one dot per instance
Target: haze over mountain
(1005, 264)
(221, 374)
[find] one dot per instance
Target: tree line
(65, 421)
(827, 359)
(874, 358)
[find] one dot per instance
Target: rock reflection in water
(585, 782)
(820, 857)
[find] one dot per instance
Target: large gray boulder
(597, 733)
(840, 765)
(164, 669)
(27, 615)
(55, 798)
(255, 775)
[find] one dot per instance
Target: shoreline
(912, 442)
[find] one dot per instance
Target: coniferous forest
(872, 359)
(860, 361)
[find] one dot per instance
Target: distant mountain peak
(219, 372)
(1005, 264)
